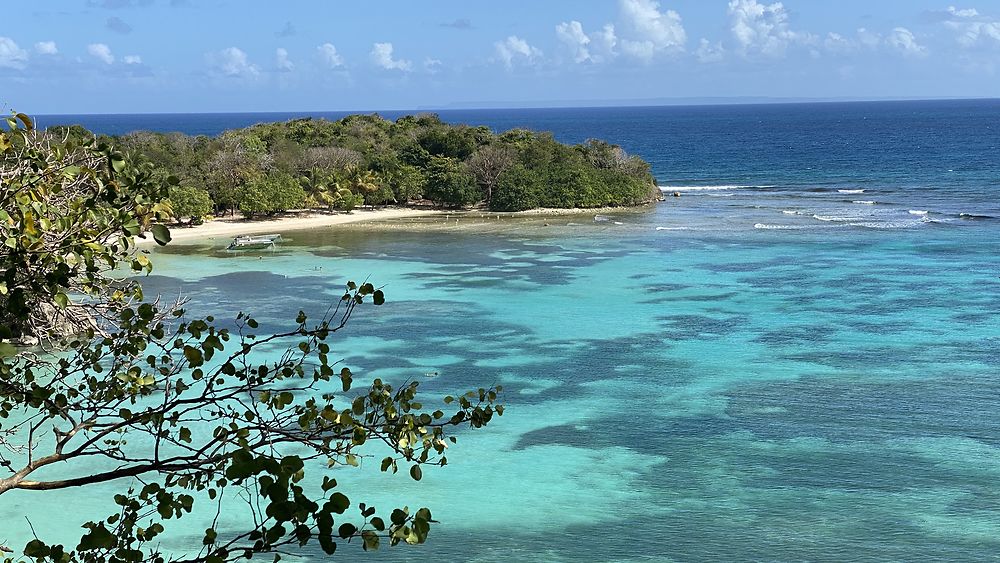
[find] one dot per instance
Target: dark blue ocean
(797, 359)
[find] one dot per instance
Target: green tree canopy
(450, 183)
(193, 203)
(382, 161)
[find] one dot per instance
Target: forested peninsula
(308, 163)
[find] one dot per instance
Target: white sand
(229, 228)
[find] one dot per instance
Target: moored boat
(254, 242)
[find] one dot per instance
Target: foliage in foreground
(178, 412)
(371, 160)
(69, 212)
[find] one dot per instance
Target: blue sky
(120, 56)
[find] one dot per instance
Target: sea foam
(708, 188)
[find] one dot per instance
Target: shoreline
(229, 227)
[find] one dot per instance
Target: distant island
(270, 168)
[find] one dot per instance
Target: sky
(162, 56)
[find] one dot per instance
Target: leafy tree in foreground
(69, 211)
(183, 415)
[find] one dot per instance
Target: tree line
(368, 160)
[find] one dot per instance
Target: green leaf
(28, 124)
(378, 297)
(339, 503)
(98, 538)
(36, 548)
(347, 530)
(61, 300)
(416, 472)
(161, 234)
(7, 350)
(329, 546)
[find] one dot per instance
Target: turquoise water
(741, 373)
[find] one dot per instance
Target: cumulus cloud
(12, 56)
(281, 60)
(605, 40)
(839, 45)
(763, 29)
(101, 52)
(382, 56)
(900, 41)
(132, 59)
(870, 39)
(596, 47)
(709, 52)
(432, 66)
(514, 49)
(970, 27)
(46, 48)
(329, 55)
(572, 35)
(232, 62)
(903, 41)
(118, 25)
(653, 31)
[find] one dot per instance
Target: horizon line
(572, 104)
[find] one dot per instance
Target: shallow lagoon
(734, 393)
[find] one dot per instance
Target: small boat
(253, 242)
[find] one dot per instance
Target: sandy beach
(230, 227)
(392, 218)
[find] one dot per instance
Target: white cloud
(101, 52)
(654, 31)
(868, 38)
(604, 41)
(572, 35)
(329, 55)
(710, 52)
(12, 56)
(839, 45)
(763, 29)
(972, 28)
(282, 61)
(596, 47)
(232, 62)
(132, 59)
(515, 49)
(432, 65)
(900, 40)
(46, 48)
(966, 13)
(903, 41)
(382, 56)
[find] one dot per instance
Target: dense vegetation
(174, 414)
(365, 159)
